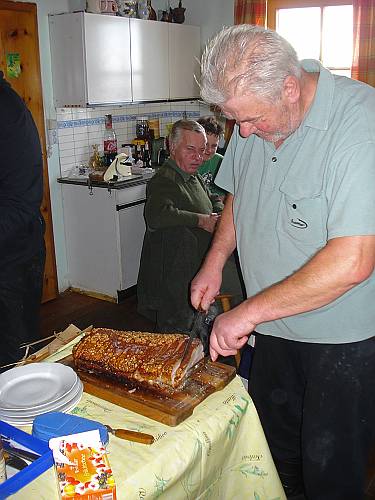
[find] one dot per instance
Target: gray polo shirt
(319, 185)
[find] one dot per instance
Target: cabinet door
(184, 56)
(132, 229)
(67, 59)
(108, 71)
(149, 57)
(91, 240)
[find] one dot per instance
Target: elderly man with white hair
(300, 172)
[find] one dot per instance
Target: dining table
(219, 452)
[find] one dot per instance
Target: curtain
(363, 66)
(246, 12)
(250, 12)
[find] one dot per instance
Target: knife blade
(199, 313)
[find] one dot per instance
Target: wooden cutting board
(171, 408)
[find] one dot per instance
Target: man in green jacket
(181, 215)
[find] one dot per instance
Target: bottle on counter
(110, 141)
(139, 157)
(142, 128)
(147, 157)
(163, 153)
(96, 162)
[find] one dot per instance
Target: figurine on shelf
(127, 8)
(151, 12)
(178, 13)
(142, 9)
(170, 15)
(164, 16)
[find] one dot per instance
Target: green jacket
(175, 198)
(173, 246)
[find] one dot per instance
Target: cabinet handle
(128, 205)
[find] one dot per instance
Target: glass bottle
(110, 141)
(141, 127)
(95, 161)
(139, 157)
(147, 157)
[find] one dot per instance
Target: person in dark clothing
(181, 215)
(22, 250)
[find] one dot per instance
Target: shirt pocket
(301, 213)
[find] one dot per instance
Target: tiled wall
(79, 128)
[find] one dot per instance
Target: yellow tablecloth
(220, 452)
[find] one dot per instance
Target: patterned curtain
(363, 67)
(250, 12)
(246, 12)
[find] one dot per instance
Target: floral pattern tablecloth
(219, 452)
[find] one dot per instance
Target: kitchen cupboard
(104, 235)
(184, 57)
(149, 60)
(90, 59)
(98, 59)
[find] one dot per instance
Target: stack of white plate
(30, 390)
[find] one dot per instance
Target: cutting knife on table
(199, 317)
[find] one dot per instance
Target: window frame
(274, 5)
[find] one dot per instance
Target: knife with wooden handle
(138, 437)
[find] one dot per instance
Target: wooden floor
(83, 311)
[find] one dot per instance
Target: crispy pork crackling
(152, 359)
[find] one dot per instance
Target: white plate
(29, 420)
(45, 406)
(54, 406)
(32, 385)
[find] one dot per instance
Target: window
(317, 29)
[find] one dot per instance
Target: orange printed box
(82, 467)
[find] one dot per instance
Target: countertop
(133, 180)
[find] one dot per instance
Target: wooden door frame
(50, 289)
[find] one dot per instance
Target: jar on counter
(141, 128)
(154, 126)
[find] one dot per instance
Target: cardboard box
(82, 467)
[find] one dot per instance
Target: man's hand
(230, 332)
(205, 287)
(208, 221)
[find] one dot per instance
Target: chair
(226, 305)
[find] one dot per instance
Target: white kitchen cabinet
(104, 236)
(98, 59)
(149, 57)
(90, 56)
(184, 61)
